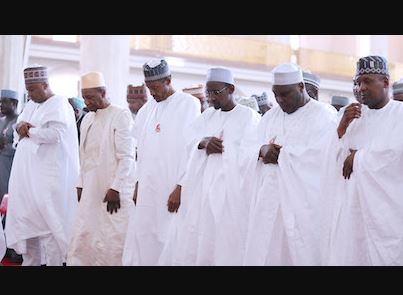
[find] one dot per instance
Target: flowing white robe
(107, 161)
(212, 228)
(162, 156)
(42, 194)
(283, 226)
(363, 216)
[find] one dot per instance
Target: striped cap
(372, 65)
(156, 69)
(137, 90)
(35, 74)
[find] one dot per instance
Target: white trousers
(42, 250)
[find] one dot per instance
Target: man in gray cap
(397, 88)
(283, 166)
(213, 232)
(41, 207)
(312, 84)
(355, 90)
(8, 107)
(364, 214)
(162, 155)
(263, 103)
(136, 98)
(9, 103)
(339, 101)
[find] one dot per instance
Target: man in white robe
(136, 98)
(162, 156)
(212, 230)
(105, 185)
(362, 196)
(41, 202)
(282, 164)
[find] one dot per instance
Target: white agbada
(363, 216)
(162, 156)
(42, 197)
(283, 224)
(212, 228)
(107, 160)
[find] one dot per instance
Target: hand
(213, 145)
(348, 165)
(135, 193)
(79, 191)
(22, 129)
(113, 201)
(353, 111)
(270, 153)
(174, 199)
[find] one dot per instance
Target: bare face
(218, 94)
(37, 92)
(135, 102)
(289, 97)
(94, 98)
(372, 90)
(159, 89)
(398, 97)
(312, 91)
(8, 106)
(355, 91)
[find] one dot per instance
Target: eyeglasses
(215, 92)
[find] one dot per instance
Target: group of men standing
(183, 184)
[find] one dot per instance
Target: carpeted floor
(8, 262)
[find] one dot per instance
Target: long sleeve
(52, 133)
(124, 150)
(191, 115)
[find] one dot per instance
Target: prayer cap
(339, 100)
(372, 65)
(137, 91)
(92, 80)
(287, 74)
(156, 69)
(311, 78)
(7, 93)
(262, 99)
(77, 103)
(220, 74)
(249, 102)
(35, 74)
(194, 90)
(398, 87)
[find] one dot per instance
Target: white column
(108, 54)
(13, 59)
(379, 45)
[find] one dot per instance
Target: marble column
(108, 54)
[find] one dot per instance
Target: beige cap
(92, 80)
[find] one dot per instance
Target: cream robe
(162, 157)
(283, 225)
(363, 216)
(107, 160)
(43, 176)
